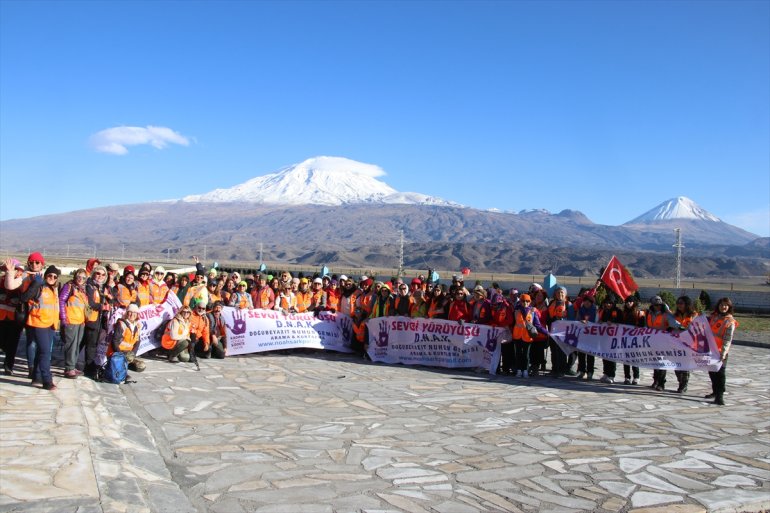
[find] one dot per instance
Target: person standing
(631, 315)
(559, 308)
(96, 314)
(586, 312)
(42, 322)
(72, 315)
(659, 317)
(723, 325)
(609, 314)
(525, 319)
(10, 327)
(684, 314)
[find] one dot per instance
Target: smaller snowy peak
(675, 208)
(319, 181)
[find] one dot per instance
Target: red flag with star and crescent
(618, 279)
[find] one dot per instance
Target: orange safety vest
(287, 302)
(398, 300)
(502, 317)
(519, 328)
(126, 295)
(435, 310)
(348, 303)
(8, 301)
(359, 330)
(657, 321)
(332, 300)
(719, 327)
(167, 342)
(158, 292)
(130, 337)
(316, 298)
(94, 315)
(75, 308)
(684, 321)
(44, 313)
(303, 300)
(144, 293)
(261, 297)
(364, 301)
(199, 325)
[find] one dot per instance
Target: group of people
(32, 299)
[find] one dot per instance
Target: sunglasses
(35, 262)
(54, 276)
(99, 273)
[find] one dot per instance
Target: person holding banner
(127, 293)
(218, 346)
(263, 297)
(240, 298)
(382, 306)
(683, 315)
(459, 309)
(526, 326)
(723, 326)
(200, 331)
(437, 303)
(158, 287)
(610, 314)
(586, 313)
(560, 308)
(659, 317)
(72, 316)
(332, 295)
(631, 315)
(96, 313)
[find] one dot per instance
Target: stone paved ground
(326, 432)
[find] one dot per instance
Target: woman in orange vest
(176, 337)
(524, 316)
(158, 287)
(684, 314)
(72, 314)
(723, 325)
(333, 295)
(127, 293)
(558, 309)
(43, 320)
(659, 317)
(125, 336)
(96, 316)
(382, 306)
(609, 313)
(437, 303)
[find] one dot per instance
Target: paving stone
(734, 498)
(640, 499)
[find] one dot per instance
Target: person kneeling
(125, 338)
(176, 338)
(218, 346)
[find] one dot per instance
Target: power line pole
(204, 252)
(401, 256)
(678, 247)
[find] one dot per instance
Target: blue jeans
(41, 340)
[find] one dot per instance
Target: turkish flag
(618, 279)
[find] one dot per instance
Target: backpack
(116, 369)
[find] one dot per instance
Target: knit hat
(112, 266)
(160, 269)
(53, 270)
(35, 257)
(525, 297)
(656, 300)
(318, 281)
(132, 308)
(128, 270)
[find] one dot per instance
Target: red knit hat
(36, 257)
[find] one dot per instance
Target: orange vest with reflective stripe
(167, 342)
(143, 293)
(303, 300)
(126, 296)
(519, 328)
(75, 309)
(158, 292)
(130, 336)
(44, 313)
(657, 321)
(287, 302)
(684, 321)
(359, 330)
(8, 302)
(94, 313)
(719, 327)
(332, 300)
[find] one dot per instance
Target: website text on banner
(435, 343)
(150, 319)
(693, 349)
(255, 331)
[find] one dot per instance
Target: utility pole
(123, 253)
(260, 254)
(401, 256)
(678, 247)
(204, 252)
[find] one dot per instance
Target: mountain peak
(320, 181)
(680, 207)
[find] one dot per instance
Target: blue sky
(604, 107)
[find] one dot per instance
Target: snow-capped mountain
(675, 208)
(320, 181)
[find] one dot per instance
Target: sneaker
(627, 381)
(635, 381)
(36, 382)
(173, 359)
(681, 389)
(710, 396)
(654, 385)
(49, 386)
(590, 376)
(606, 379)
(660, 388)
(524, 374)
(719, 400)
(7, 371)
(570, 372)
(70, 374)
(542, 367)
(582, 376)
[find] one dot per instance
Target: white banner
(254, 331)
(150, 318)
(692, 349)
(434, 342)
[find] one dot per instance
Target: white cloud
(114, 140)
(755, 221)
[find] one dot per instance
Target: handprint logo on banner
(571, 335)
(491, 340)
(345, 326)
(700, 342)
(239, 323)
(383, 335)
